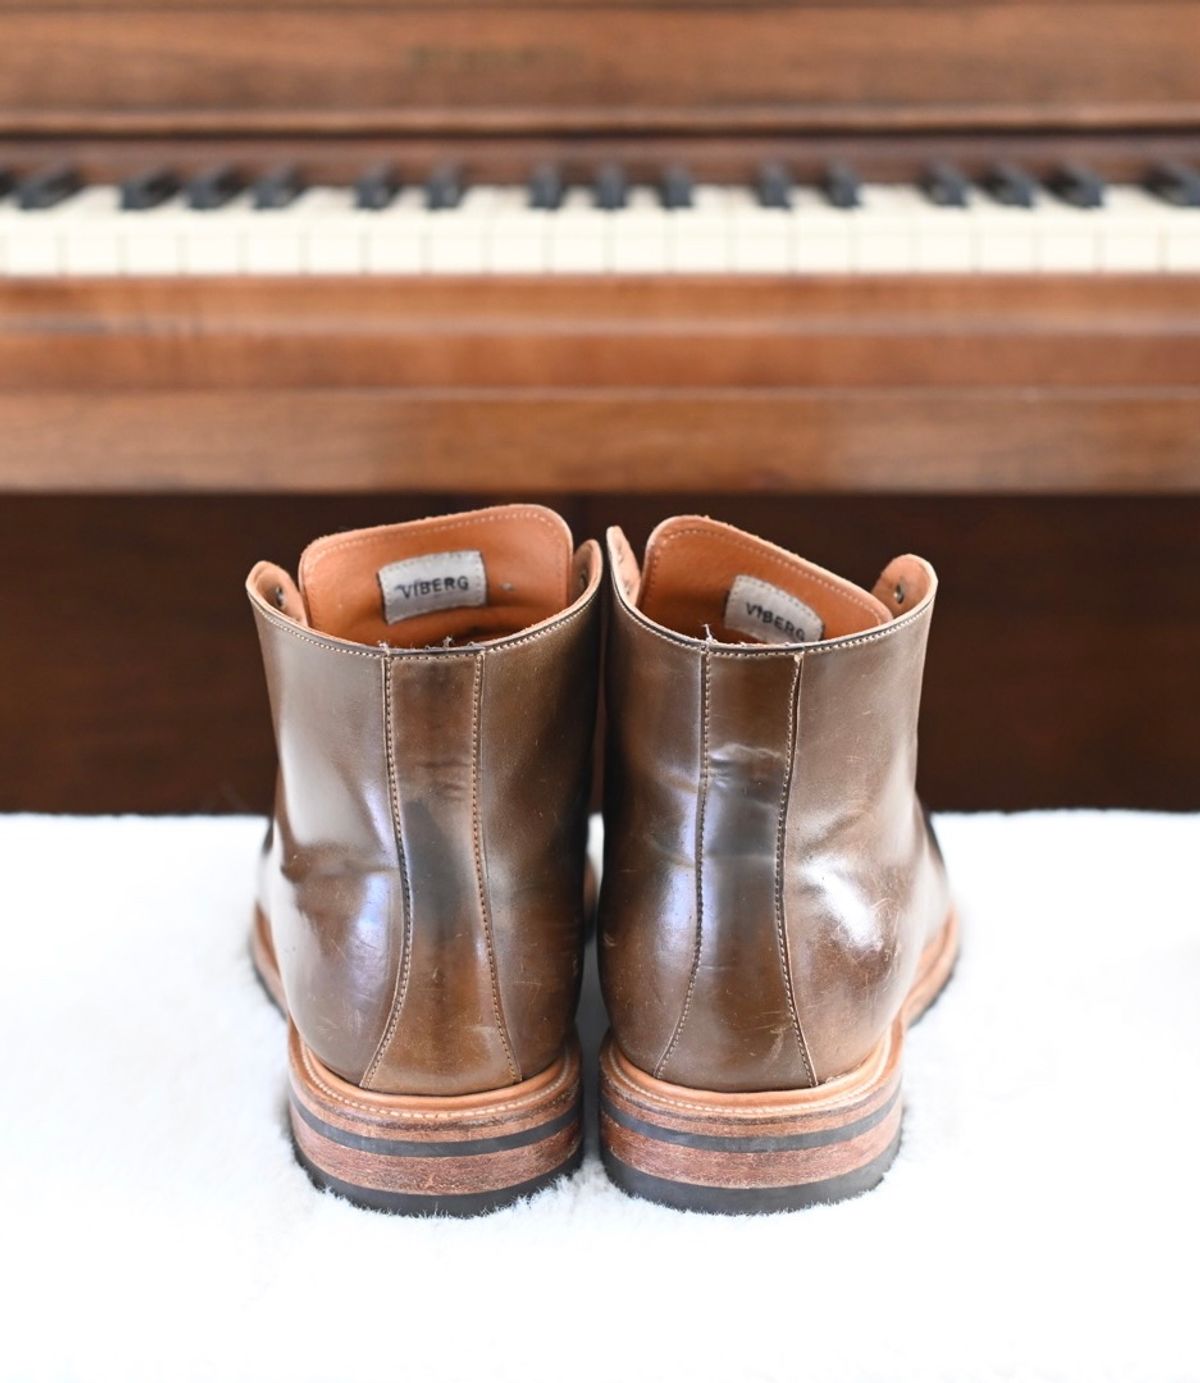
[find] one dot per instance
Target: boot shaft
(769, 878)
(432, 692)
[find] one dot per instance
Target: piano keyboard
(51, 223)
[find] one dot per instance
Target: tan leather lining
(691, 563)
(527, 555)
(625, 565)
(904, 583)
(276, 589)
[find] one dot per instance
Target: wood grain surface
(339, 68)
(1063, 663)
(966, 385)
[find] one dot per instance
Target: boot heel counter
(682, 1015)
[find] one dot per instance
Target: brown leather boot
(774, 910)
(420, 905)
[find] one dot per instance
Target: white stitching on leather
(771, 650)
(330, 645)
(785, 958)
(646, 1099)
(701, 802)
(439, 1116)
(485, 910)
(404, 969)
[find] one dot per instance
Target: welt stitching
(437, 1116)
(404, 969)
(777, 560)
(636, 1095)
(785, 958)
(331, 646)
(484, 903)
(701, 801)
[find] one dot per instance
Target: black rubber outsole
(748, 1200)
(457, 1207)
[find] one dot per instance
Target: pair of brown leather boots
(773, 910)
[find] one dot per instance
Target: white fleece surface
(1041, 1221)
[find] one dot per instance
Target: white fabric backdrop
(1041, 1220)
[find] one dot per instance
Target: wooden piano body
(1033, 429)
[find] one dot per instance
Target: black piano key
(1077, 186)
(945, 185)
(7, 182)
(145, 191)
(213, 188)
(377, 188)
(841, 186)
(611, 187)
(1010, 185)
(48, 187)
(445, 187)
(278, 188)
(1176, 183)
(678, 190)
(546, 188)
(773, 186)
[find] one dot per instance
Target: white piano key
(824, 235)
(33, 241)
(517, 239)
(276, 241)
(336, 238)
(397, 237)
(214, 242)
(700, 237)
(494, 231)
(883, 229)
(152, 241)
(580, 236)
(1131, 231)
(458, 236)
(1181, 240)
(639, 235)
(1005, 238)
(273, 249)
(1068, 238)
(90, 241)
(945, 239)
(761, 239)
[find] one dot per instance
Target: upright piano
(864, 275)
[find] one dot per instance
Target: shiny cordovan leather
(770, 879)
(423, 876)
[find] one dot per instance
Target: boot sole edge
(423, 1155)
(770, 1152)
(426, 1155)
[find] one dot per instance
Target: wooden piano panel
(342, 68)
(1083, 385)
(1063, 664)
